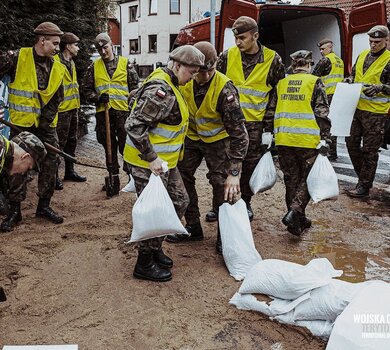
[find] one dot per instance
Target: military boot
(293, 222)
(44, 211)
(195, 231)
(211, 216)
(147, 269)
(161, 259)
(71, 175)
(218, 244)
(59, 185)
(14, 216)
(247, 201)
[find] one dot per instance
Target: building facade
(149, 28)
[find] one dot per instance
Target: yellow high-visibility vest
(116, 86)
(336, 74)
(167, 140)
(3, 152)
(254, 92)
(24, 95)
(380, 103)
(71, 89)
(295, 124)
(206, 123)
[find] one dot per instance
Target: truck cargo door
(230, 11)
(361, 19)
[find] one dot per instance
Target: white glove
(266, 139)
(164, 167)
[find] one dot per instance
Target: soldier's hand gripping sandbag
(371, 90)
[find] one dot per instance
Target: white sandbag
(250, 302)
(130, 186)
(287, 280)
(238, 248)
(322, 180)
(154, 214)
(327, 302)
(264, 176)
(365, 322)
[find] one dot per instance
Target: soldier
(301, 121)
(372, 69)
(156, 130)
(109, 80)
(255, 70)
(68, 110)
(331, 70)
(35, 92)
(216, 133)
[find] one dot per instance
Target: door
(230, 11)
(361, 19)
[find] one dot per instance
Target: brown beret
(69, 38)
(188, 55)
(378, 32)
(209, 52)
(47, 28)
(324, 41)
(243, 24)
(101, 40)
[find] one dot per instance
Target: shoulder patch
(161, 92)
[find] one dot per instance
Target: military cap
(47, 28)
(324, 41)
(378, 32)
(69, 38)
(33, 145)
(188, 55)
(243, 24)
(209, 52)
(101, 40)
(302, 55)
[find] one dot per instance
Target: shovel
(111, 181)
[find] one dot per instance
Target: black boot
(44, 211)
(195, 231)
(147, 269)
(161, 259)
(293, 222)
(211, 216)
(14, 216)
(218, 245)
(59, 185)
(71, 175)
(249, 208)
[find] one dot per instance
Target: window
(135, 46)
(172, 38)
(174, 6)
(152, 43)
(133, 13)
(152, 7)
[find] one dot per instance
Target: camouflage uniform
(221, 156)
(5, 157)
(117, 118)
(47, 175)
(152, 109)
(322, 68)
(296, 162)
(370, 128)
(255, 129)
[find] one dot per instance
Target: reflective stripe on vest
(380, 103)
(24, 96)
(254, 92)
(295, 124)
(336, 74)
(71, 89)
(167, 140)
(116, 86)
(206, 123)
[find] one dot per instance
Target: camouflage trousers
(17, 189)
(369, 128)
(176, 190)
(67, 131)
(295, 163)
(255, 151)
(215, 156)
(118, 135)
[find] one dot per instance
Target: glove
(104, 98)
(372, 90)
(323, 148)
(266, 139)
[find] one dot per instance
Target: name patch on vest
(293, 91)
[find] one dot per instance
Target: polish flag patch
(161, 93)
(230, 98)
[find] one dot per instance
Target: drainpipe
(189, 11)
(212, 22)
